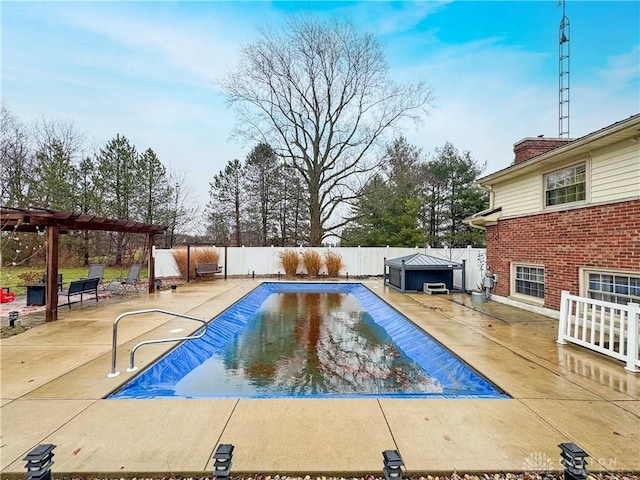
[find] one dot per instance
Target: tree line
(409, 200)
(43, 165)
(419, 201)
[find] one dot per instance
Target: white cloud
(150, 40)
(385, 18)
(622, 69)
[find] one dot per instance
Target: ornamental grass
(333, 262)
(290, 260)
(312, 262)
(199, 255)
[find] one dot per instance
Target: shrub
(29, 278)
(199, 255)
(289, 259)
(334, 263)
(312, 262)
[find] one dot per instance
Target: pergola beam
(56, 222)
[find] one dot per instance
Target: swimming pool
(310, 340)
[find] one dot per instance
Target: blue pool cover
(457, 379)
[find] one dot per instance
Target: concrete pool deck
(53, 380)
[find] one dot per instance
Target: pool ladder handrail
(132, 367)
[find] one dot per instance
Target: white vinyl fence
(358, 261)
(607, 328)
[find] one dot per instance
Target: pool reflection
(302, 343)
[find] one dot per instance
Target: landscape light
(574, 461)
(222, 461)
(39, 462)
(392, 463)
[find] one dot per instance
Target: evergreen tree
(156, 192)
(262, 170)
(387, 209)
(57, 179)
(228, 200)
(292, 208)
(453, 196)
(116, 180)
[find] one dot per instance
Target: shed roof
(420, 261)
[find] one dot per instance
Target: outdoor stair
(435, 288)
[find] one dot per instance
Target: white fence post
(564, 317)
(632, 337)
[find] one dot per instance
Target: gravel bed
(453, 476)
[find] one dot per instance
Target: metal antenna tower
(563, 56)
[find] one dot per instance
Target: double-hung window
(567, 185)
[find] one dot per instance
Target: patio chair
(122, 284)
(44, 280)
(96, 270)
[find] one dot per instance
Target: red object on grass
(6, 296)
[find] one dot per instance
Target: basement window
(529, 281)
(567, 185)
(615, 287)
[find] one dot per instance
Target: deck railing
(604, 327)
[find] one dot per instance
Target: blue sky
(146, 70)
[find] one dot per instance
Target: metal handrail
(132, 367)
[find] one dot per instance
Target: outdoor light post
(392, 463)
(574, 461)
(39, 461)
(13, 318)
(222, 461)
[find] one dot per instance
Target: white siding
(615, 174)
(520, 196)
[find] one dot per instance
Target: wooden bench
(80, 287)
(207, 269)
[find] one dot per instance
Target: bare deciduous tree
(321, 95)
(185, 213)
(16, 161)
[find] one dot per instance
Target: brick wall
(531, 147)
(605, 236)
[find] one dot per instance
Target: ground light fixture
(392, 463)
(222, 461)
(574, 461)
(39, 461)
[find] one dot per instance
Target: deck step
(431, 288)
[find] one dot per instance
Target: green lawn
(10, 276)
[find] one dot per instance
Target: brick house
(566, 216)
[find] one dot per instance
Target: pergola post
(60, 222)
(51, 287)
(151, 263)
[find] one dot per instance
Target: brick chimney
(530, 147)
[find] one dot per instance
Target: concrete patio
(54, 380)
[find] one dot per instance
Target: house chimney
(530, 147)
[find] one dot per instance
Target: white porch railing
(604, 327)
